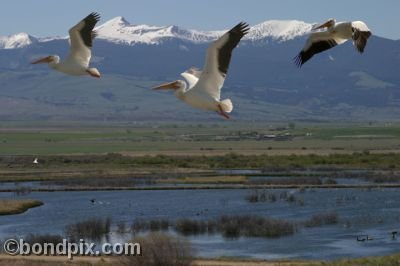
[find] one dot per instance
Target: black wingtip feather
(225, 52)
(360, 40)
(87, 32)
(241, 29)
(92, 19)
(298, 60)
(94, 16)
(315, 48)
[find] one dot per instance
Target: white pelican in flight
(77, 61)
(203, 88)
(336, 34)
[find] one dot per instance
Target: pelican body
(335, 34)
(78, 59)
(202, 89)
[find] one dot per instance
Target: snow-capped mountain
(281, 30)
(119, 30)
(19, 40)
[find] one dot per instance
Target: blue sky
(54, 17)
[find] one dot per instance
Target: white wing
(81, 37)
(192, 76)
(191, 79)
(318, 42)
(217, 61)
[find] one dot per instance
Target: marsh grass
(390, 161)
(161, 250)
(254, 226)
(43, 238)
(30, 262)
(383, 178)
(188, 227)
(330, 181)
(207, 180)
(92, 229)
(236, 226)
(323, 218)
(228, 226)
(153, 225)
(121, 228)
(293, 180)
(256, 196)
(260, 196)
(8, 207)
(22, 191)
(390, 260)
(101, 182)
(362, 160)
(344, 199)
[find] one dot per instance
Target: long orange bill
(44, 60)
(325, 25)
(167, 86)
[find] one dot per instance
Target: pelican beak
(44, 60)
(168, 86)
(318, 27)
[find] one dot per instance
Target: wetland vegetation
(13, 206)
(159, 158)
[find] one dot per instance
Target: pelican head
(328, 24)
(51, 60)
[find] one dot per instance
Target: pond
(373, 212)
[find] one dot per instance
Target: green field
(73, 150)
(52, 139)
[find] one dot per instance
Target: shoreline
(13, 207)
(206, 187)
(388, 260)
(107, 260)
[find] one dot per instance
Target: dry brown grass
(25, 262)
(8, 207)
(91, 261)
(227, 262)
(206, 180)
(160, 250)
(391, 260)
(54, 261)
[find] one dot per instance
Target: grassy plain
(189, 151)
(201, 139)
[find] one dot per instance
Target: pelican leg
(222, 113)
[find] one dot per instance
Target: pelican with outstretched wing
(78, 59)
(202, 89)
(335, 34)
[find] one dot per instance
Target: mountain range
(263, 82)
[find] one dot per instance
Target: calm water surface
(374, 212)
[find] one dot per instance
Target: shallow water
(142, 184)
(374, 212)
